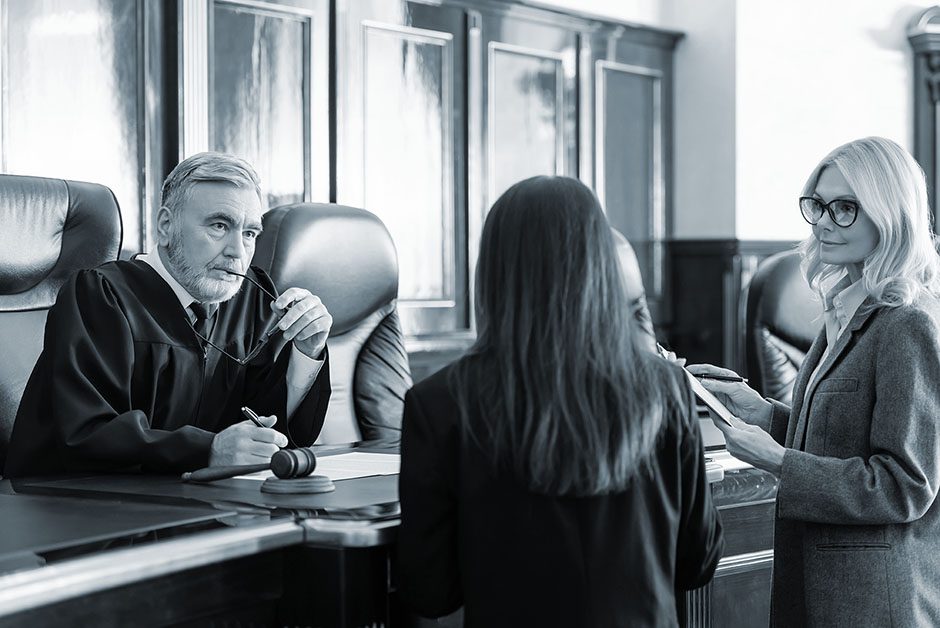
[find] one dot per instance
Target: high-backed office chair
(48, 229)
(783, 317)
(346, 257)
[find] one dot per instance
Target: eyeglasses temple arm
(254, 281)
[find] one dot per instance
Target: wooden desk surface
(39, 523)
(234, 494)
(66, 537)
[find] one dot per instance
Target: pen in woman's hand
(721, 378)
(252, 416)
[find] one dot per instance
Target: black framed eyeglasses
(842, 211)
(251, 355)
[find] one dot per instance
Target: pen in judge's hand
(721, 378)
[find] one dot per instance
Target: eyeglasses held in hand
(843, 212)
(251, 355)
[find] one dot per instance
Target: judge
(146, 363)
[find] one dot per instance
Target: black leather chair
(48, 229)
(783, 317)
(346, 257)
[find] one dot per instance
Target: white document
(709, 399)
(701, 392)
(355, 464)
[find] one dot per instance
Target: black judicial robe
(123, 383)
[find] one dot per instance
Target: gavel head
(293, 463)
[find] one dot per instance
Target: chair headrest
(782, 301)
(51, 227)
(783, 317)
(342, 254)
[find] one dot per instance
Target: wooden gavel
(286, 463)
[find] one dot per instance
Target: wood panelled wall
(709, 280)
(421, 112)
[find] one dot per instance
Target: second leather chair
(50, 228)
(346, 257)
(782, 319)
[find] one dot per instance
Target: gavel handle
(222, 473)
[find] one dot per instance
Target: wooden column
(924, 36)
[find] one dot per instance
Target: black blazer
(514, 558)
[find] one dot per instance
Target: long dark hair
(570, 397)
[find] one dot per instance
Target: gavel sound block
(292, 468)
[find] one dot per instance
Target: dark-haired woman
(553, 476)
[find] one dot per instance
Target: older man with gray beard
(148, 362)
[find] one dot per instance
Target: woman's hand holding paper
(752, 445)
(741, 399)
(747, 440)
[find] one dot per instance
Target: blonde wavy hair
(891, 190)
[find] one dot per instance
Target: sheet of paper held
(356, 464)
(709, 399)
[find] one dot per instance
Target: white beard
(203, 288)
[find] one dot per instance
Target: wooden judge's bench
(739, 594)
(122, 550)
(133, 550)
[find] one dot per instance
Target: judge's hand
(246, 443)
(741, 399)
(752, 445)
(305, 320)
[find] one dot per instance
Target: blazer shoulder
(431, 412)
(928, 305)
(907, 333)
(434, 394)
(435, 384)
(678, 395)
(923, 313)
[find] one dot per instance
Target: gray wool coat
(857, 533)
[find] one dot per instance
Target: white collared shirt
(839, 307)
(302, 370)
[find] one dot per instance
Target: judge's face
(214, 229)
(843, 246)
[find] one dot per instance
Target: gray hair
(208, 166)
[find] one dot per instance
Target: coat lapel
(864, 312)
(802, 379)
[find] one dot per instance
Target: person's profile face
(842, 246)
(630, 270)
(215, 229)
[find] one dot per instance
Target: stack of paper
(355, 464)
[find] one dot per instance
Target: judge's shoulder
(113, 272)
(106, 277)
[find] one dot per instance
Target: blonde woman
(857, 537)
